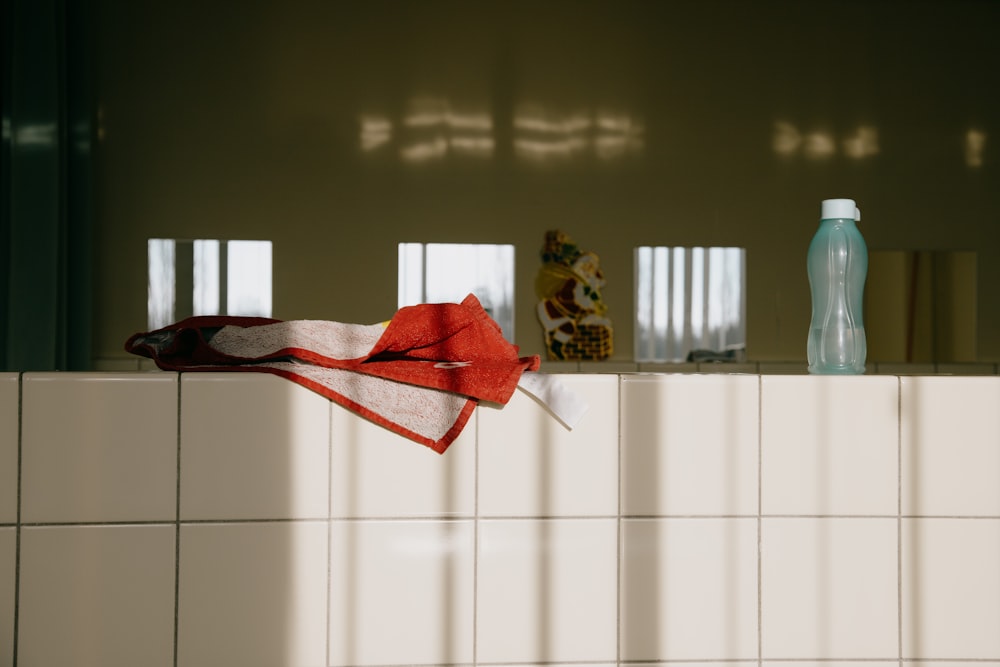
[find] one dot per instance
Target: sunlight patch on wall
(543, 135)
(431, 130)
(863, 143)
(789, 140)
(974, 145)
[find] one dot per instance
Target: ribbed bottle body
(838, 266)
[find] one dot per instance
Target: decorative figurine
(571, 310)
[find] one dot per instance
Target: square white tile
(378, 473)
(951, 446)
(829, 445)
(689, 589)
(689, 444)
(546, 590)
(99, 596)
(568, 664)
(829, 588)
(531, 465)
(835, 663)
(8, 446)
(99, 447)
(253, 594)
(8, 560)
(951, 588)
(700, 663)
(253, 446)
(401, 592)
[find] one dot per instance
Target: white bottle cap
(839, 208)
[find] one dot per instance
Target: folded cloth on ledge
(420, 376)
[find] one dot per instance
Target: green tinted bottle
(838, 266)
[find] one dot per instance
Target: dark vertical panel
(34, 178)
(6, 49)
(76, 328)
(46, 261)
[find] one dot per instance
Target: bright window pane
(448, 272)
(249, 278)
(207, 277)
(160, 292)
(690, 300)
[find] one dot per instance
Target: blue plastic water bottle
(837, 266)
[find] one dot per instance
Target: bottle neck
(837, 221)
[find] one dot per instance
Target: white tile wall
(829, 445)
(689, 589)
(531, 465)
(689, 444)
(375, 473)
(829, 588)
(8, 446)
(252, 594)
(546, 590)
(950, 454)
(8, 562)
(836, 663)
(100, 596)
(98, 447)
(798, 521)
(253, 446)
(401, 592)
(951, 588)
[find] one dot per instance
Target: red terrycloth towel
(421, 376)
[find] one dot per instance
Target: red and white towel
(421, 375)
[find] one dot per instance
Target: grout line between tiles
(17, 531)
(197, 522)
(760, 507)
(899, 519)
(96, 524)
(177, 531)
(618, 533)
(329, 529)
(475, 544)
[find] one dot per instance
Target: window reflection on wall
(975, 142)
(821, 144)
(432, 129)
(448, 272)
(207, 277)
(690, 303)
(542, 135)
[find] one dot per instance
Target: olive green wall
(243, 120)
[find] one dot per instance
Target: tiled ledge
(622, 366)
(764, 367)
